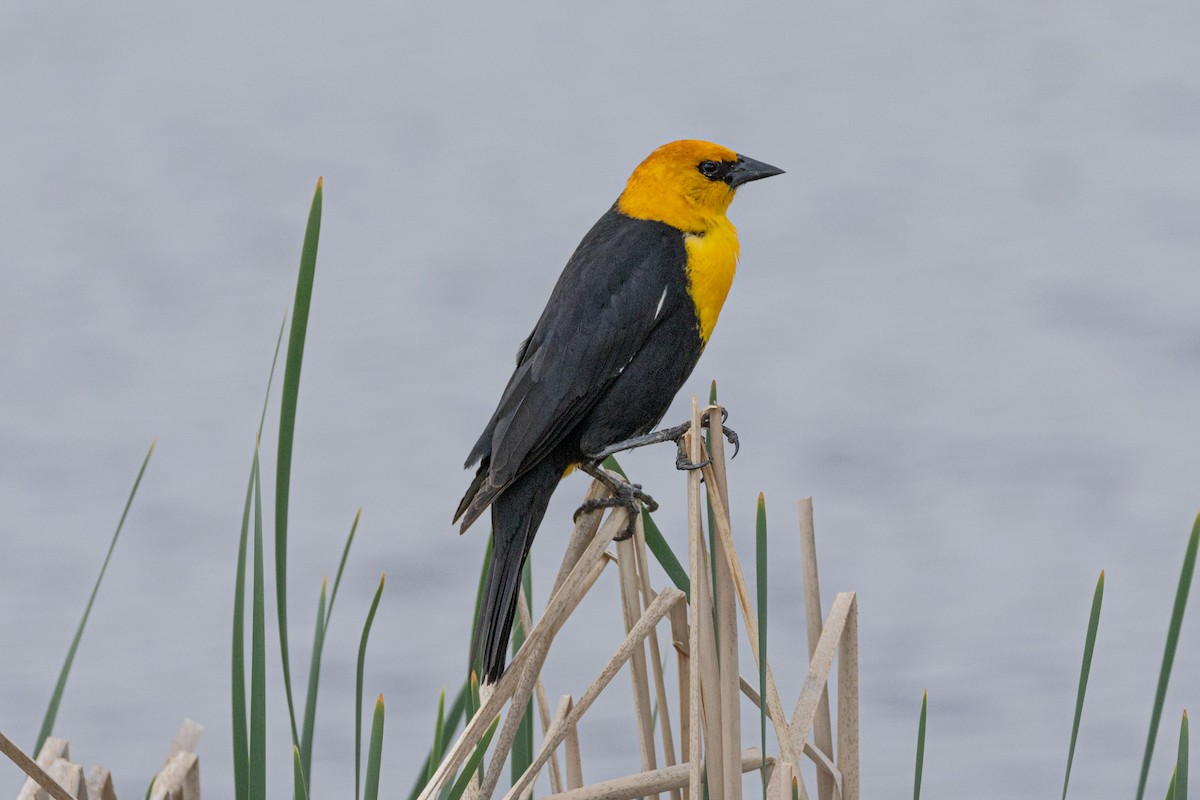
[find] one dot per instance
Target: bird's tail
(516, 514)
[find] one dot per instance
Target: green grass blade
(61, 684)
(258, 652)
(1181, 763)
(324, 613)
(310, 698)
(665, 555)
(1171, 787)
(241, 746)
(241, 743)
(374, 753)
(920, 769)
(1089, 644)
(287, 429)
(472, 667)
(1164, 676)
(358, 685)
(473, 763)
(521, 755)
(760, 558)
(298, 775)
(439, 732)
(458, 711)
(657, 542)
(337, 581)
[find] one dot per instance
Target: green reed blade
(760, 560)
(473, 763)
(258, 652)
(61, 684)
(1181, 762)
(439, 731)
(358, 684)
(457, 711)
(374, 753)
(1089, 644)
(656, 542)
(920, 769)
(241, 747)
(521, 754)
(298, 775)
(1181, 596)
(287, 429)
(310, 698)
(472, 666)
(337, 581)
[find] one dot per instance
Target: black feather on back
(627, 277)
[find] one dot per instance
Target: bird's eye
(709, 169)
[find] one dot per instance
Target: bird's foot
(624, 495)
(675, 435)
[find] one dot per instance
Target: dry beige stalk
(822, 732)
(847, 752)
(774, 705)
(657, 611)
(556, 781)
(819, 668)
(563, 602)
(660, 687)
(725, 601)
(642, 784)
(632, 610)
(571, 744)
(696, 570)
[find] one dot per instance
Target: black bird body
(619, 336)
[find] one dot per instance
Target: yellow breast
(712, 260)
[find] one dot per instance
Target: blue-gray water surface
(965, 321)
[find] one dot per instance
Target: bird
(624, 326)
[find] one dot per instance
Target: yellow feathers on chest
(712, 260)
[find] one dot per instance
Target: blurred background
(965, 323)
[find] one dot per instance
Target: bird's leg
(675, 435)
(624, 495)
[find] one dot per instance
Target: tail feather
(516, 514)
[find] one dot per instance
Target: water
(964, 322)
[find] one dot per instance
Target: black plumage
(617, 339)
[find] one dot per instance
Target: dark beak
(747, 169)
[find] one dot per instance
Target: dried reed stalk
(563, 602)
(847, 752)
(556, 781)
(657, 611)
(32, 769)
(660, 687)
(727, 631)
(704, 634)
(819, 668)
(642, 784)
(631, 607)
(774, 705)
(696, 570)
(574, 760)
(822, 733)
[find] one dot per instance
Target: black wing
(601, 312)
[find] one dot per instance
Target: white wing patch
(658, 310)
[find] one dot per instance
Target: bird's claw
(683, 462)
(624, 495)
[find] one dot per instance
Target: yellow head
(689, 184)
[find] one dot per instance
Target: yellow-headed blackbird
(625, 324)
